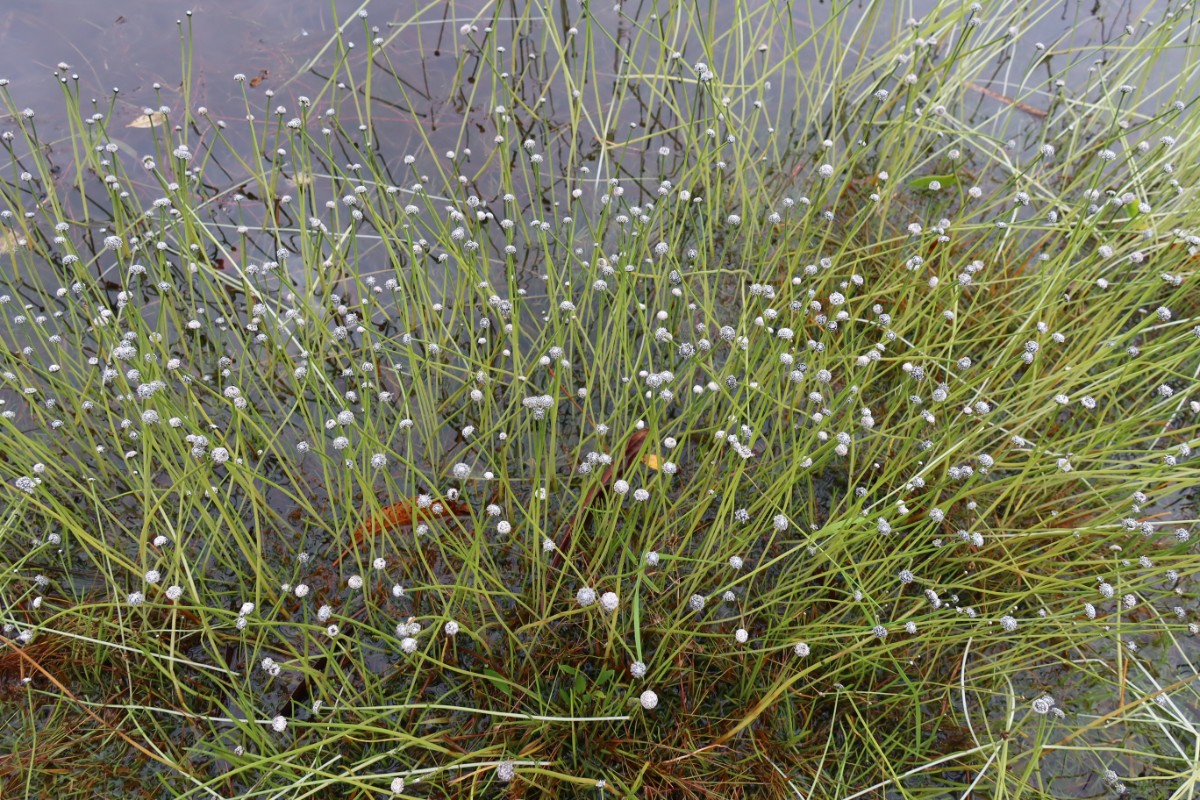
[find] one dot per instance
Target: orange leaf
(397, 515)
(401, 514)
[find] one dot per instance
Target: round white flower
(649, 700)
(1043, 704)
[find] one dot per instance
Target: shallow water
(134, 45)
(422, 104)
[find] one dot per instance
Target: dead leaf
(1017, 104)
(9, 242)
(401, 514)
(405, 512)
(633, 449)
(153, 119)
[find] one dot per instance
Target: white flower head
(609, 601)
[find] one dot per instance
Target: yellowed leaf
(8, 242)
(652, 461)
(150, 120)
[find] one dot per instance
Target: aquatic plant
(754, 401)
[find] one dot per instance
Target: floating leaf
(151, 120)
(9, 242)
(1017, 104)
(924, 183)
(397, 515)
(405, 512)
(125, 147)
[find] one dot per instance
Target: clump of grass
(731, 412)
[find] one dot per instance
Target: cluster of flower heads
(812, 345)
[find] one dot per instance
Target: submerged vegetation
(757, 400)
